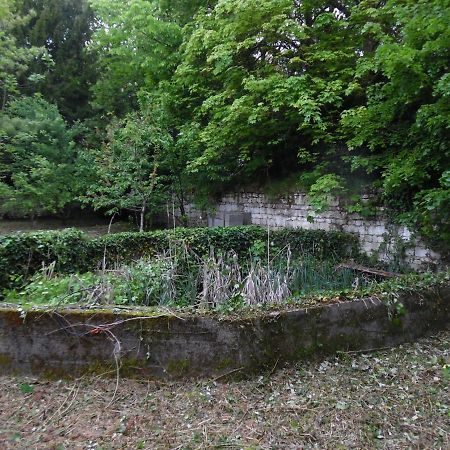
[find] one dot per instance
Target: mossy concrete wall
(73, 342)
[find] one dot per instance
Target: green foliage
(26, 388)
(400, 132)
(15, 60)
(128, 168)
(53, 291)
(316, 276)
(22, 255)
(137, 48)
(324, 189)
(63, 28)
(126, 246)
(258, 249)
(211, 96)
(145, 282)
(37, 156)
(432, 213)
(261, 88)
(412, 283)
(185, 279)
(182, 279)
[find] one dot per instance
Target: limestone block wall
(377, 235)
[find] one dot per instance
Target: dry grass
(392, 399)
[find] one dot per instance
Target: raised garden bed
(71, 341)
(199, 302)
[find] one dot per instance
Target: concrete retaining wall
(72, 342)
(377, 234)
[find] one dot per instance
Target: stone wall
(74, 342)
(377, 235)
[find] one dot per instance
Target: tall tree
(15, 60)
(261, 86)
(38, 171)
(64, 28)
(138, 47)
(400, 130)
(130, 168)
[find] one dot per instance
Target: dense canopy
(141, 100)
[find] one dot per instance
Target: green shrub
(23, 254)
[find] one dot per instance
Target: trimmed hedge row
(22, 254)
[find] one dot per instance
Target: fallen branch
(227, 373)
(359, 268)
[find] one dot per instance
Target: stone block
(299, 199)
(352, 229)
(325, 226)
(369, 247)
(421, 252)
(216, 221)
(376, 230)
(237, 218)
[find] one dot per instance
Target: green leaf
(26, 388)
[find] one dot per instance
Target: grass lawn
(93, 228)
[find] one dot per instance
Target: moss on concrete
(5, 361)
(159, 342)
(178, 367)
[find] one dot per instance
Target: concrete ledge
(73, 342)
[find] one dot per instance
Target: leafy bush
(23, 254)
(54, 291)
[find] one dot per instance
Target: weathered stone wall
(72, 342)
(377, 235)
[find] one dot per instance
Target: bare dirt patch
(389, 399)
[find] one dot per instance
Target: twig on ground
(228, 373)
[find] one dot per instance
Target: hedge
(22, 254)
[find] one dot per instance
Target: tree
(137, 47)
(128, 168)
(212, 95)
(14, 59)
(261, 87)
(137, 50)
(400, 129)
(37, 159)
(64, 28)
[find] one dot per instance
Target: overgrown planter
(71, 251)
(73, 342)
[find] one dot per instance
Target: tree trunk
(142, 221)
